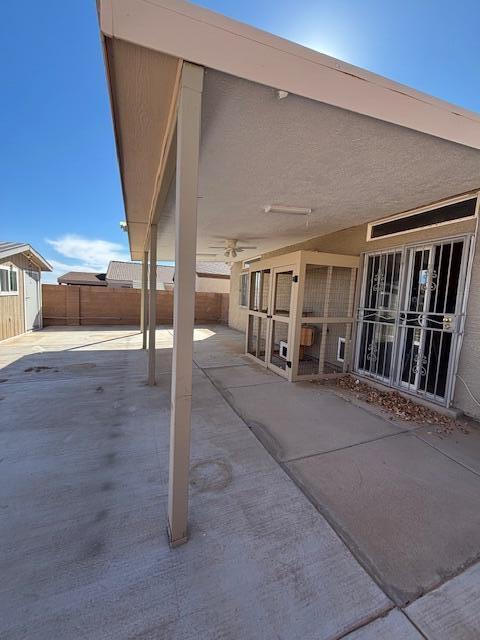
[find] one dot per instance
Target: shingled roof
(132, 271)
(213, 269)
(83, 277)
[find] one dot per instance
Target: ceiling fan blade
(243, 246)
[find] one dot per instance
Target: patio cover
(349, 144)
(214, 121)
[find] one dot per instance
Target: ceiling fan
(231, 248)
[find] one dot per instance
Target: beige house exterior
(20, 291)
(249, 141)
(353, 241)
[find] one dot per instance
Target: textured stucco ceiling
(349, 168)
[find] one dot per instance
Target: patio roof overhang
(214, 121)
(349, 144)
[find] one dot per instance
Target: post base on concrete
(175, 543)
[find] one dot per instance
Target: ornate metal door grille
(378, 314)
(411, 317)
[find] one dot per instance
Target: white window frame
(246, 263)
(244, 274)
(9, 269)
(339, 348)
(430, 207)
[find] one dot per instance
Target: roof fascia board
(211, 40)
(26, 248)
(166, 167)
(42, 263)
(104, 8)
(215, 276)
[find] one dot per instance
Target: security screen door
(411, 316)
(378, 314)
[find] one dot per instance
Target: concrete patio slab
(452, 610)
(219, 347)
(297, 420)
(394, 626)
(410, 512)
(462, 447)
(84, 552)
(242, 376)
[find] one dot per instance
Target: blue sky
(59, 183)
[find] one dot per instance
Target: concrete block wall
(83, 305)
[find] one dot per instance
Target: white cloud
(87, 254)
(95, 253)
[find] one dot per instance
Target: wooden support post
(144, 300)
(152, 305)
(188, 143)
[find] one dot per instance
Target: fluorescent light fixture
(280, 208)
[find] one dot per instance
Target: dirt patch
(36, 369)
(210, 475)
(396, 405)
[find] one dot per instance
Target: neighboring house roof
(213, 270)
(8, 249)
(132, 271)
(83, 277)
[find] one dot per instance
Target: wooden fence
(83, 305)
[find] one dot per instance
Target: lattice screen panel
(257, 337)
(314, 290)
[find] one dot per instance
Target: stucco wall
(469, 363)
(353, 241)
(237, 315)
(212, 285)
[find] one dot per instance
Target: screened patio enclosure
(300, 313)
